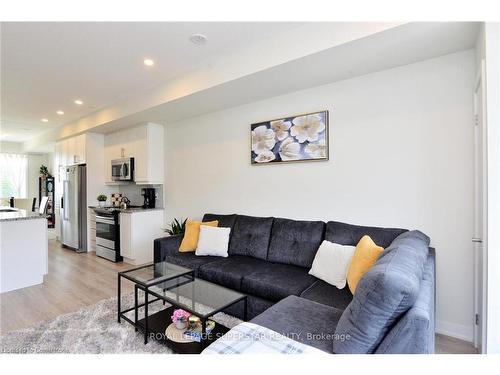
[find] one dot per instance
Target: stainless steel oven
(108, 234)
(122, 169)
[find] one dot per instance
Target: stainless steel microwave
(122, 169)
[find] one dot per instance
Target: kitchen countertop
(18, 214)
(130, 210)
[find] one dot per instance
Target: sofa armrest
(166, 246)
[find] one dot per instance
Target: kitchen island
(23, 248)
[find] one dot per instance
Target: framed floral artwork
(295, 138)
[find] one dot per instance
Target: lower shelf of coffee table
(158, 323)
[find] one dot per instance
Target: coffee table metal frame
(182, 279)
(145, 287)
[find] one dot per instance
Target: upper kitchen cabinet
(144, 143)
(79, 149)
(72, 151)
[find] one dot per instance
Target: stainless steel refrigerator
(74, 208)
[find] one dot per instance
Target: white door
(479, 214)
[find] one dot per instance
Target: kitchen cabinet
(145, 144)
(24, 249)
(63, 152)
(91, 246)
(138, 230)
(79, 149)
(116, 146)
(71, 151)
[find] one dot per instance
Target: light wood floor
(74, 280)
(78, 280)
(451, 345)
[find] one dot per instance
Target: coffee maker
(149, 197)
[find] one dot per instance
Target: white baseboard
(458, 331)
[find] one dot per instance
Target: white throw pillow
(332, 262)
(213, 241)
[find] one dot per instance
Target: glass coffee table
(178, 287)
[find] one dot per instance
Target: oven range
(108, 234)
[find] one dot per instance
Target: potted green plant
(176, 227)
(44, 171)
(101, 198)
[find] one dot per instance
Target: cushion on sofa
(213, 241)
(225, 221)
(412, 241)
(328, 294)
(251, 236)
(230, 271)
(331, 263)
(302, 320)
(347, 234)
(295, 242)
(365, 256)
(192, 234)
(383, 294)
(414, 332)
(275, 281)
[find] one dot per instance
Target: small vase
(100, 203)
(180, 324)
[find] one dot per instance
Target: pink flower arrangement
(180, 316)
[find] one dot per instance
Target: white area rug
(92, 329)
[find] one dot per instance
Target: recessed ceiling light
(60, 113)
(78, 102)
(148, 62)
(198, 39)
(45, 120)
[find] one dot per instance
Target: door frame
(480, 308)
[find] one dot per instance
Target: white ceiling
(101, 63)
(398, 46)
(46, 66)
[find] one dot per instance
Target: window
(13, 175)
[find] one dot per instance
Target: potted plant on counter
(101, 198)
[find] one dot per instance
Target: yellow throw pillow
(365, 256)
(190, 240)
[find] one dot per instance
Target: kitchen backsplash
(133, 192)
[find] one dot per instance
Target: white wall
(400, 155)
(12, 147)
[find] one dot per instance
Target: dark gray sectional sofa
(269, 259)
